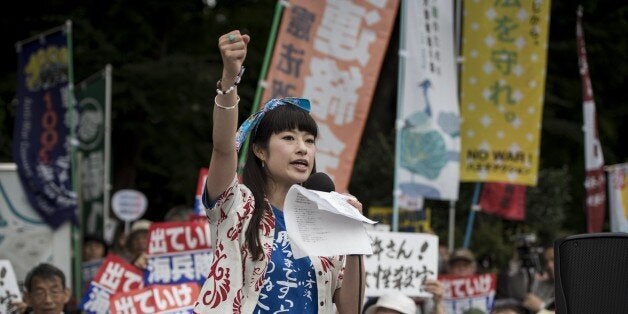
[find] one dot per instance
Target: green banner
(90, 99)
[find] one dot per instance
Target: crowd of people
(520, 292)
(253, 262)
(45, 289)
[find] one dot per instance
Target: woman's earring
(263, 164)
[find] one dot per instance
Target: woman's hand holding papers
(353, 201)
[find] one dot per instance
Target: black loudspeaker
(591, 273)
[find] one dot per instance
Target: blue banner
(178, 268)
(41, 145)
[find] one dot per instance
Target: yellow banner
(503, 79)
(409, 220)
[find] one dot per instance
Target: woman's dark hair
(92, 237)
(282, 118)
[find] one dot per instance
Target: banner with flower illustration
(331, 52)
(503, 82)
(428, 137)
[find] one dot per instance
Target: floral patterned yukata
(235, 279)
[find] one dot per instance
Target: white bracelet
(236, 79)
(223, 107)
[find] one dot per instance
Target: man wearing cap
(137, 243)
(462, 263)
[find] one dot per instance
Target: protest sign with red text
(115, 275)
(463, 293)
(178, 252)
(156, 299)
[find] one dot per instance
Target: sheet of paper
(324, 224)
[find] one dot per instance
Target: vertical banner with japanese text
(429, 149)
(90, 100)
(618, 197)
(331, 53)
(41, 141)
(503, 82)
(595, 179)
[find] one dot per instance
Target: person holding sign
(253, 269)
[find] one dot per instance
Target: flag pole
(76, 229)
(398, 120)
(19, 44)
(458, 48)
(262, 84)
(107, 150)
(474, 208)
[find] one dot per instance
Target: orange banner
(331, 53)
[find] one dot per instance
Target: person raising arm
(253, 269)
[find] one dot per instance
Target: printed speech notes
(324, 224)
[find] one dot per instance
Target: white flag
(428, 132)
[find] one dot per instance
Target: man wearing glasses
(46, 291)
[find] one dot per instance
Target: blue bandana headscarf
(251, 122)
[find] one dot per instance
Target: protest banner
(472, 292)
(408, 220)
(400, 263)
(331, 53)
(9, 289)
(156, 299)
(618, 197)
(504, 200)
(93, 106)
(595, 179)
(428, 138)
(25, 238)
(89, 270)
(115, 275)
(178, 252)
(43, 124)
(502, 88)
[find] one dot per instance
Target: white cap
(394, 301)
(142, 224)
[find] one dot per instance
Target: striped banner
(618, 197)
(503, 82)
(595, 180)
(331, 53)
(428, 149)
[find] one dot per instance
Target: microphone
(319, 181)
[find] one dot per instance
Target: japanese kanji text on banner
(41, 135)
(503, 82)
(429, 148)
(331, 52)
